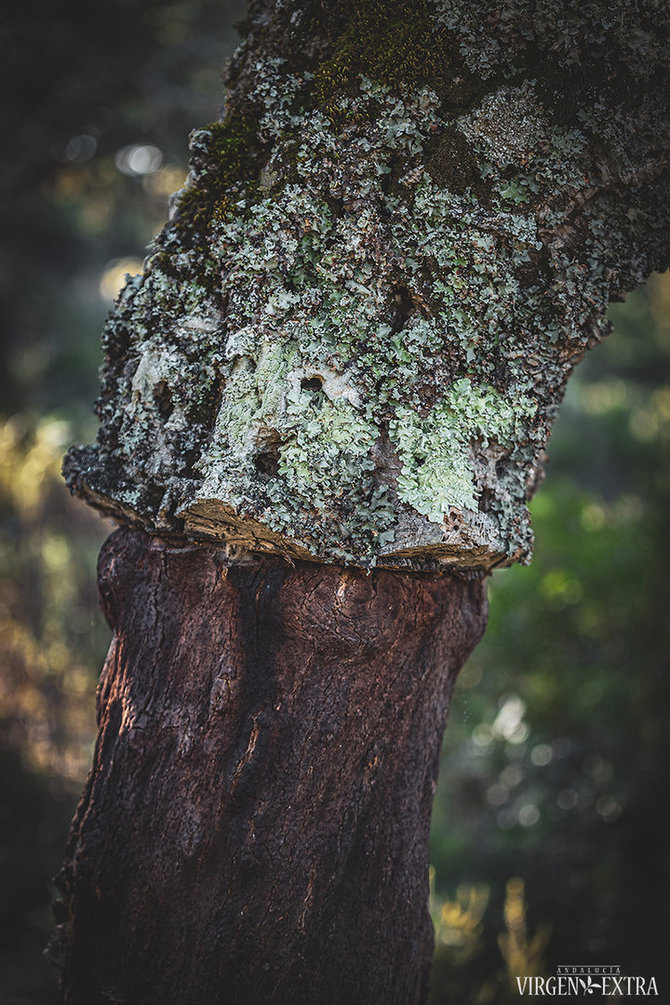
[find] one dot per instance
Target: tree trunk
(255, 825)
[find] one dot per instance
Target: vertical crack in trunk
(255, 825)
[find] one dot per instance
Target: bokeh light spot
(528, 815)
(567, 799)
(541, 754)
(81, 148)
(114, 276)
(608, 808)
(138, 159)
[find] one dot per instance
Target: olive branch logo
(589, 985)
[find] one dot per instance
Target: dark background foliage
(549, 841)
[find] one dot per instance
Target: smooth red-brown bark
(255, 825)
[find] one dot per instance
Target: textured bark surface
(255, 825)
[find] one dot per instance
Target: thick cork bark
(353, 336)
(255, 824)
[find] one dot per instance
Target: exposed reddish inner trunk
(255, 825)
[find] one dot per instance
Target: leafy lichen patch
(437, 469)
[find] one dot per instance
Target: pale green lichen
(436, 451)
(332, 442)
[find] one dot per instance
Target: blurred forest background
(549, 841)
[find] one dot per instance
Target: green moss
(226, 160)
(397, 44)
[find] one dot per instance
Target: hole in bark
(267, 463)
(336, 204)
(311, 384)
(404, 308)
(486, 499)
(266, 460)
(188, 460)
(163, 399)
(217, 395)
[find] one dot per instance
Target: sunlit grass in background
(52, 636)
